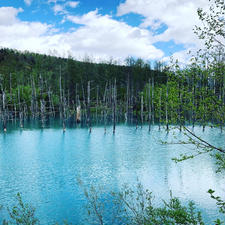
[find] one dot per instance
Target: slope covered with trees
(39, 86)
(36, 85)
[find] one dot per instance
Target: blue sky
(148, 29)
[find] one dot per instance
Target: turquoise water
(43, 165)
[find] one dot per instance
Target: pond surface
(43, 165)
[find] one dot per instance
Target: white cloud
(106, 36)
(59, 9)
(28, 2)
(55, 1)
(52, 1)
(99, 36)
(72, 4)
(20, 35)
(182, 56)
(179, 15)
(8, 15)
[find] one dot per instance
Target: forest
(34, 85)
(39, 86)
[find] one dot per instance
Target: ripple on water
(44, 164)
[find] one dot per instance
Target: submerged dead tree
(84, 111)
(142, 108)
(97, 103)
(167, 123)
(105, 106)
(114, 106)
(88, 106)
(149, 105)
(42, 102)
(20, 109)
(64, 112)
(127, 114)
(51, 104)
(153, 117)
(160, 107)
(60, 93)
(78, 109)
(32, 98)
(4, 110)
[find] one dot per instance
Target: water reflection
(43, 165)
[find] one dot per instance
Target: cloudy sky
(102, 29)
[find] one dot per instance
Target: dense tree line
(38, 86)
(19, 68)
(45, 83)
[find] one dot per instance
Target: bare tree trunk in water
(149, 105)
(114, 107)
(88, 107)
(142, 103)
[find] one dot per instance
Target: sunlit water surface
(43, 165)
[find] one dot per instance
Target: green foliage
(220, 161)
(218, 222)
(22, 214)
(219, 202)
(139, 207)
(135, 206)
(55, 99)
(214, 24)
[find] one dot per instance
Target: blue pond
(43, 165)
